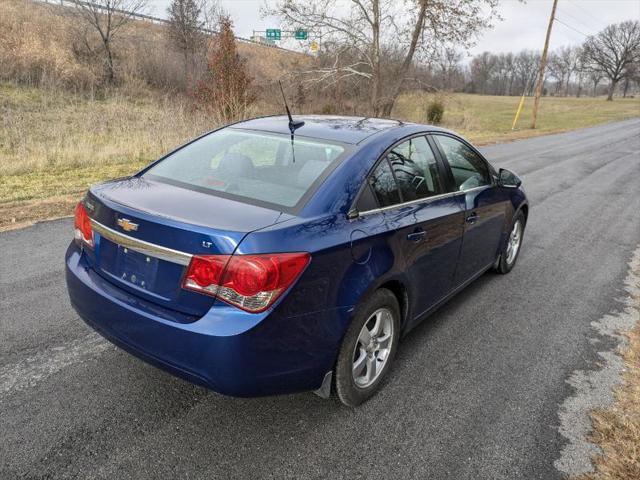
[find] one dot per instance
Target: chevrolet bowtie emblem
(127, 225)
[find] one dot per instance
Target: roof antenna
(293, 125)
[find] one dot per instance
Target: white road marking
(28, 372)
(594, 388)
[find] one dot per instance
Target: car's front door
(470, 174)
(426, 221)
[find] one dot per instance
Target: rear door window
(416, 169)
(384, 186)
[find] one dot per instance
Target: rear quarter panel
(316, 312)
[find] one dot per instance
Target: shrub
(225, 90)
(435, 111)
(328, 109)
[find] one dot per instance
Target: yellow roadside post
(515, 119)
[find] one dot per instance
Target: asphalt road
(475, 391)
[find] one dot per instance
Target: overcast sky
(523, 26)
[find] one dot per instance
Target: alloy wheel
(513, 245)
(373, 347)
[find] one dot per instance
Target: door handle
(417, 236)
(472, 218)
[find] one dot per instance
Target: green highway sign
(300, 34)
(274, 34)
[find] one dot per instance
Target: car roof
(335, 128)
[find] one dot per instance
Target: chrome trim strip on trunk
(146, 248)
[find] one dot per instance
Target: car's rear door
(471, 175)
(426, 221)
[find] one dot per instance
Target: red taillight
(206, 272)
(250, 282)
(253, 275)
(83, 232)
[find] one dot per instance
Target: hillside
(45, 44)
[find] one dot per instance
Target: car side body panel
(431, 260)
(485, 217)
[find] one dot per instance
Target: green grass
(55, 144)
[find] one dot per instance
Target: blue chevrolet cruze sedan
(259, 259)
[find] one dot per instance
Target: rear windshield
(256, 166)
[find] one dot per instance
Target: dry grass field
(487, 119)
(54, 144)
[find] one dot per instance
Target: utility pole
(543, 65)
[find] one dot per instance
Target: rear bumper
(228, 350)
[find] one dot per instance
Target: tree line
(371, 52)
(609, 60)
(375, 49)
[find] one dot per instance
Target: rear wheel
(511, 249)
(368, 348)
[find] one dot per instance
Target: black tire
(350, 393)
(504, 266)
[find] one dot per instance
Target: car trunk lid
(147, 231)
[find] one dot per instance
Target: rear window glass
(257, 166)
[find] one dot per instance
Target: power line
(586, 12)
(570, 27)
(564, 12)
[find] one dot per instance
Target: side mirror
(506, 178)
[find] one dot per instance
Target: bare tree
(413, 27)
(613, 51)
(448, 66)
(554, 70)
(482, 68)
(212, 12)
(107, 18)
(526, 67)
(633, 75)
(579, 69)
(562, 64)
(184, 29)
(509, 66)
(595, 76)
(575, 67)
